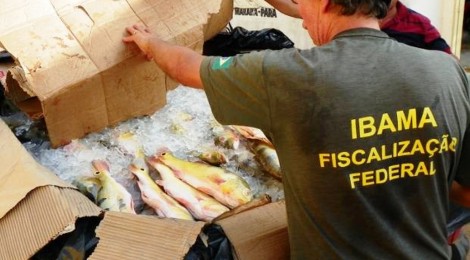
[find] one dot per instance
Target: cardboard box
(73, 68)
(35, 201)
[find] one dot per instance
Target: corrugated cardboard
(127, 236)
(260, 233)
(19, 172)
(37, 207)
(73, 68)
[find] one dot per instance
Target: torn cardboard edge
(49, 212)
(260, 233)
(126, 236)
(77, 63)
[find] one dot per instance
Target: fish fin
(217, 179)
(205, 190)
(160, 182)
(100, 201)
(160, 213)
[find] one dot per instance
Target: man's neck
(343, 23)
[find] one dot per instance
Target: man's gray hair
(376, 8)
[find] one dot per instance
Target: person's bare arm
(460, 194)
(287, 7)
(180, 63)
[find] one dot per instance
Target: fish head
(101, 168)
(239, 191)
(138, 167)
(164, 155)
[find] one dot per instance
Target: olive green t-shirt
(369, 133)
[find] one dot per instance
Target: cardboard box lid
(73, 67)
(19, 171)
(259, 233)
(128, 236)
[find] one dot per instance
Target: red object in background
(2, 74)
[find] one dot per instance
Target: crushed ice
(184, 126)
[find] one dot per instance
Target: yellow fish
(201, 206)
(213, 157)
(129, 144)
(225, 136)
(154, 196)
(112, 196)
(88, 186)
(263, 149)
(226, 187)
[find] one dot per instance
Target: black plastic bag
(77, 245)
(216, 247)
(239, 40)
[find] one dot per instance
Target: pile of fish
(177, 163)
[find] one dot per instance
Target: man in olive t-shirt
(369, 132)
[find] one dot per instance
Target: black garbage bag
(240, 40)
(216, 247)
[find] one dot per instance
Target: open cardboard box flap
(73, 68)
(19, 172)
(33, 201)
(259, 233)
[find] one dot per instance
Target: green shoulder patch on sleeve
(222, 63)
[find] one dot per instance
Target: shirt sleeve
(236, 90)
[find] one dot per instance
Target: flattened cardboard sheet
(19, 172)
(260, 233)
(128, 236)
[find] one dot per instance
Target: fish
(258, 202)
(154, 196)
(213, 157)
(262, 148)
(88, 186)
(267, 157)
(112, 196)
(250, 132)
(226, 187)
(225, 137)
(128, 142)
(200, 205)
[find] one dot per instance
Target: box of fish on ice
(173, 185)
(73, 72)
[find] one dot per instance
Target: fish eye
(163, 153)
(97, 173)
(142, 169)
